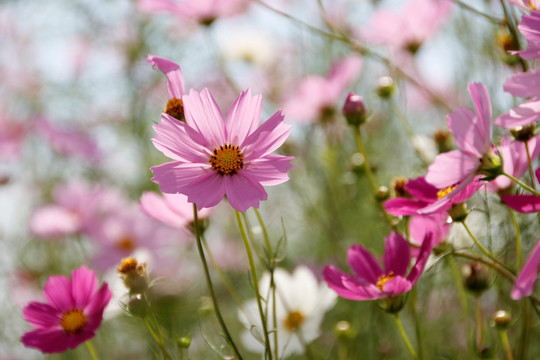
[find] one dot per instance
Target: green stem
(417, 324)
(405, 338)
(479, 325)
(479, 13)
(525, 330)
(513, 31)
(459, 284)
(210, 286)
(268, 350)
(156, 335)
(481, 247)
(506, 345)
(91, 350)
(519, 259)
(522, 184)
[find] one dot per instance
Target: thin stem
(405, 338)
(253, 271)
(156, 335)
(529, 162)
(522, 184)
(519, 259)
(91, 350)
(525, 330)
(416, 318)
(506, 345)
(210, 286)
(459, 284)
(479, 325)
(513, 31)
(479, 13)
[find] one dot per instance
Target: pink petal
(47, 340)
(244, 191)
(451, 168)
(396, 286)
(57, 292)
(524, 114)
(363, 264)
(243, 117)
(422, 258)
(176, 176)
(362, 291)
(202, 113)
(157, 208)
(526, 279)
(403, 206)
(52, 221)
(267, 138)
(41, 315)
(96, 306)
(83, 286)
(397, 255)
(420, 189)
(468, 132)
(175, 79)
(522, 203)
(270, 170)
(206, 191)
(482, 104)
(524, 85)
(462, 192)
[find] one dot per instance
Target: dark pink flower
(472, 134)
(526, 278)
(317, 95)
(73, 312)
(216, 157)
(525, 203)
(370, 281)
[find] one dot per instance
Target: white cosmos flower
(300, 304)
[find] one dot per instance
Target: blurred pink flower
(171, 209)
(526, 278)
(527, 4)
(216, 157)
(526, 85)
(370, 281)
(457, 169)
(202, 11)
(407, 28)
(73, 312)
(317, 97)
(11, 137)
(68, 142)
(530, 28)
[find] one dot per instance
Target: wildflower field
(269, 179)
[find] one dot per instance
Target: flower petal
(176, 176)
(355, 289)
(403, 206)
(47, 340)
(396, 286)
(267, 138)
(96, 306)
(243, 117)
(41, 315)
(522, 203)
(57, 291)
(397, 255)
(270, 170)
(83, 286)
(175, 79)
(363, 264)
(524, 114)
(422, 258)
(202, 113)
(243, 191)
(451, 168)
(482, 104)
(526, 279)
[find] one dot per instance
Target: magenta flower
(214, 157)
(526, 203)
(524, 85)
(73, 312)
(370, 281)
(526, 279)
(318, 96)
(457, 169)
(171, 209)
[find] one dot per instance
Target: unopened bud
(523, 133)
(443, 139)
(393, 305)
(344, 330)
(385, 87)
(458, 212)
(137, 306)
(133, 275)
(184, 342)
(382, 193)
(398, 186)
(475, 277)
(491, 166)
(502, 319)
(354, 110)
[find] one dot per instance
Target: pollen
(227, 160)
(73, 321)
(383, 279)
(443, 192)
(175, 108)
(293, 320)
(128, 265)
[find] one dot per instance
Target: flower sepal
(491, 165)
(394, 304)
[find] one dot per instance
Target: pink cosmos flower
(526, 85)
(472, 134)
(171, 209)
(68, 142)
(175, 79)
(214, 157)
(526, 278)
(526, 203)
(530, 28)
(202, 11)
(11, 138)
(527, 4)
(424, 195)
(407, 28)
(318, 96)
(370, 281)
(73, 312)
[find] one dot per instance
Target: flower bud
(523, 133)
(491, 166)
(184, 342)
(393, 305)
(133, 275)
(354, 109)
(385, 87)
(398, 185)
(458, 212)
(475, 277)
(443, 139)
(344, 330)
(382, 193)
(137, 306)
(502, 319)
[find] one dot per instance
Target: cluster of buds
(134, 275)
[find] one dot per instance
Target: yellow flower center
(294, 320)
(73, 321)
(532, 5)
(443, 192)
(227, 160)
(383, 279)
(175, 108)
(125, 244)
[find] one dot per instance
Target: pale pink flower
(526, 85)
(530, 28)
(318, 96)
(527, 5)
(526, 278)
(68, 141)
(216, 157)
(407, 28)
(72, 314)
(202, 11)
(12, 135)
